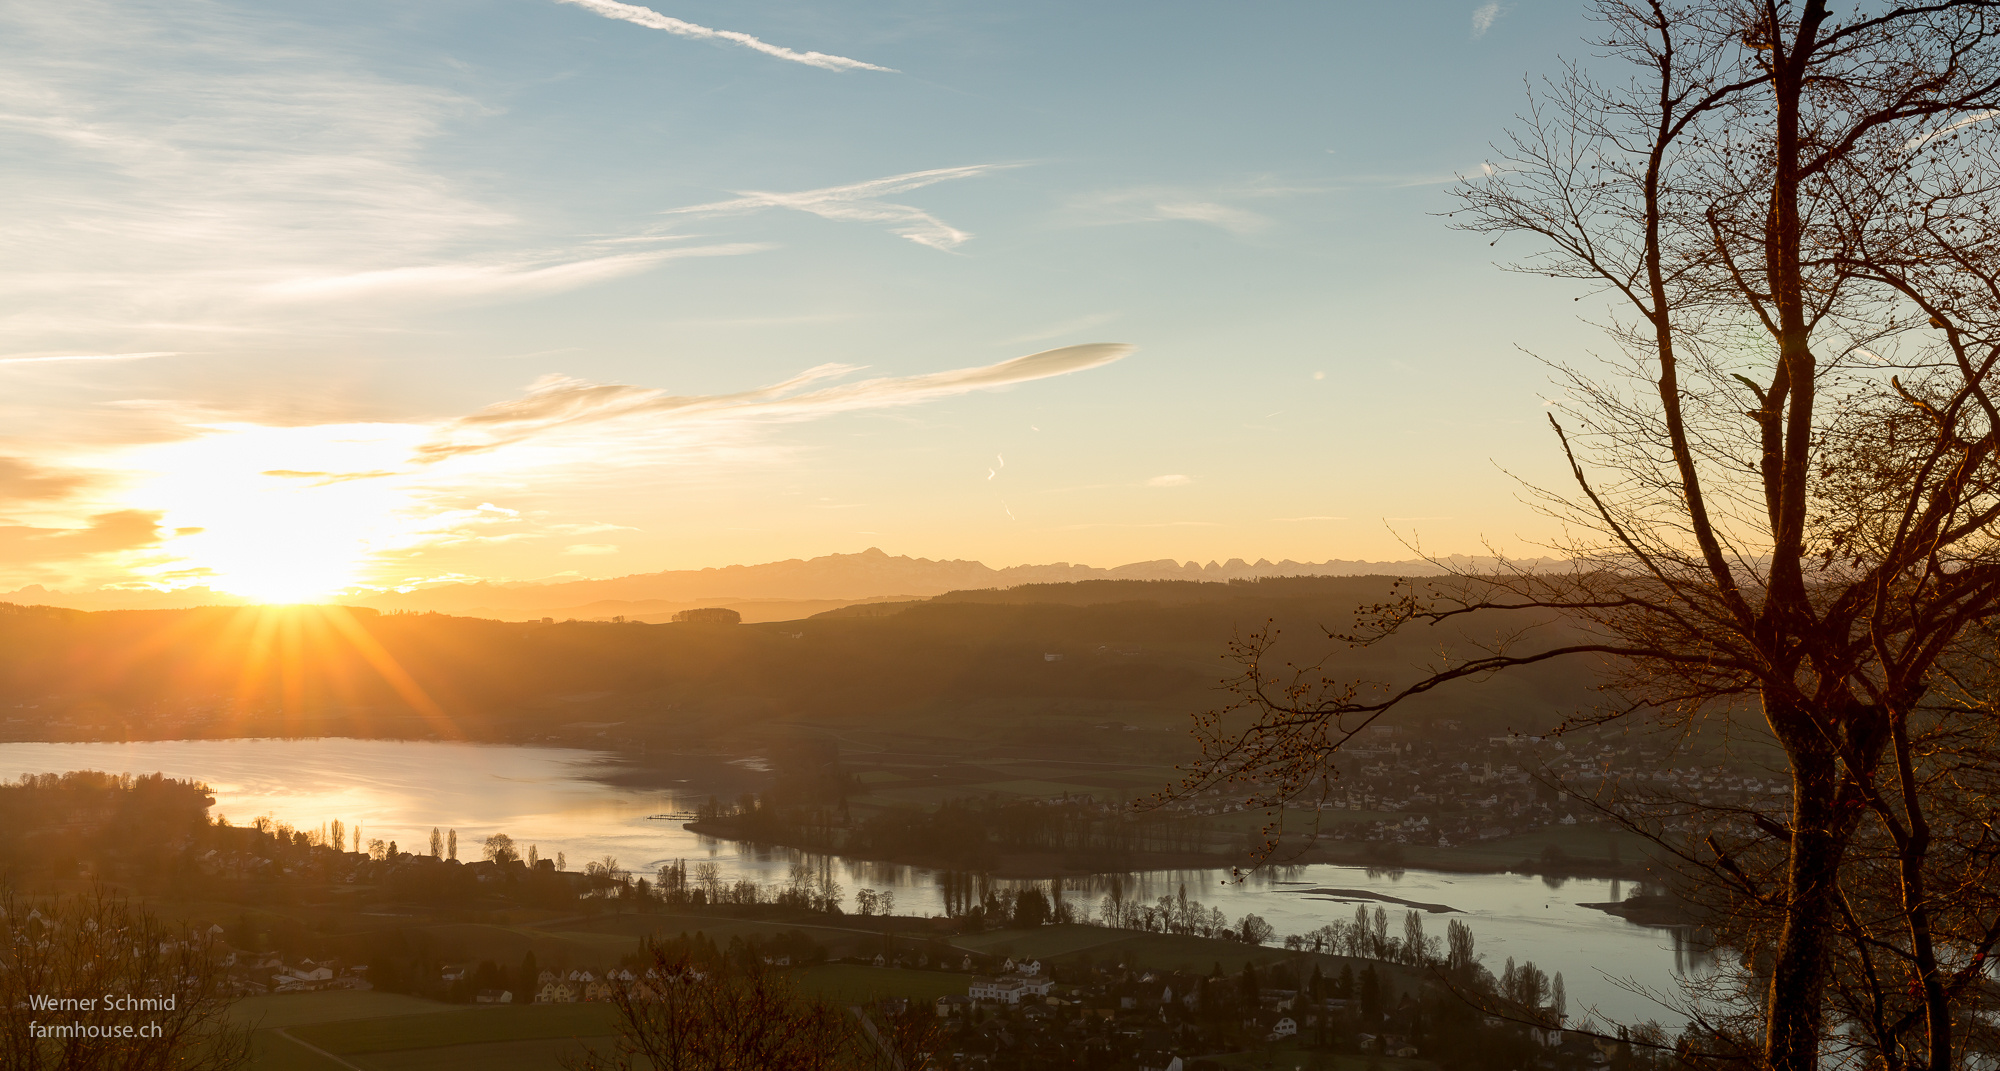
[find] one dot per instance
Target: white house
(1284, 1028)
(998, 990)
(1008, 989)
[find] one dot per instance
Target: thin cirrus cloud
(1155, 204)
(653, 20)
(182, 160)
(1484, 16)
(1920, 140)
(556, 403)
(862, 202)
(41, 359)
(1170, 480)
(493, 279)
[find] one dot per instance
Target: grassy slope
(391, 1032)
(461, 1026)
(1160, 951)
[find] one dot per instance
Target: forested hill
(1140, 653)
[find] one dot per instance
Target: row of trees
(1179, 914)
(959, 833)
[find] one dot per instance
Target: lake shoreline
(1044, 866)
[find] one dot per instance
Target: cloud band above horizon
(558, 402)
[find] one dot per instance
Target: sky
(303, 299)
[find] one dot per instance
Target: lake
(554, 799)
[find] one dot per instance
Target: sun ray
(390, 670)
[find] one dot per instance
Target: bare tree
(93, 984)
(1785, 490)
(687, 1014)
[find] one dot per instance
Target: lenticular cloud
(653, 20)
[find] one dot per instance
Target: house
(556, 993)
(494, 996)
(455, 973)
(294, 978)
(949, 1006)
(998, 990)
(1283, 1028)
(1008, 989)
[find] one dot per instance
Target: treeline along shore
(331, 926)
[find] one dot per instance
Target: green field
(391, 1032)
(1031, 789)
(537, 1055)
(1288, 1056)
(280, 1010)
(461, 1026)
(1165, 951)
(852, 983)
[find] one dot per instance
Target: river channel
(554, 799)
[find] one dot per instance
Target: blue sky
(346, 233)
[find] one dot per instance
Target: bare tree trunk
(1793, 1013)
(1911, 855)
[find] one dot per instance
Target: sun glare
(279, 515)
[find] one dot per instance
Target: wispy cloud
(1158, 206)
(653, 20)
(104, 533)
(365, 500)
(1216, 207)
(1170, 480)
(1066, 327)
(164, 164)
(1485, 15)
(22, 480)
(862, 202)
(1160, 524)
(1920, 140)
(90, 357)
(557, 402)
(494, 279)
